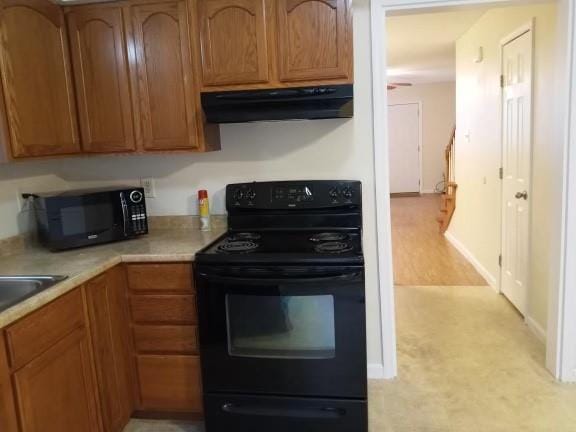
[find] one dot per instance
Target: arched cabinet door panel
(164, 72)
(102, 79)
(314, 40)
(234, 41)
(36, 79)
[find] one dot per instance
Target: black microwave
(74, 219)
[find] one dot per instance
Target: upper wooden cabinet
(166, 82)
(234, 40)
(102, 79)
(36, 79)
(313, 39)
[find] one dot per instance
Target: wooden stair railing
(448, 205)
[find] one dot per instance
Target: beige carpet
(468, 363)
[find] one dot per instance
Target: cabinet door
(234, 42)
(56, 391)
(313, 40)
(8, 419)
(102, 79)
(36, 78)
(109, 329)
(165, 76)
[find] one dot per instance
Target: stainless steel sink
(14, 289)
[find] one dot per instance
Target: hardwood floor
(422, 256)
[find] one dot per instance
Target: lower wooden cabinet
(8, 418)
(109, 329)
(56, 392)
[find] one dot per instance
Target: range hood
(302, 103)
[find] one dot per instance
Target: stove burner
(333, 247)
(238, 246)
(329, 237)
(243, 236)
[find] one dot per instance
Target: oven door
(283, 331)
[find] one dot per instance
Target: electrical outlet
(149, 187)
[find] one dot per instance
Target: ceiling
(421, 47)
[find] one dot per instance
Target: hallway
(423, 256)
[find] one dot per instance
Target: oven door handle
(319, 413)
(356, 276)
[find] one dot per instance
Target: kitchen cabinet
(164, 324)
(98, 46)
(53, 370)
(167, 100)
(8, 417)
(313, 40)
(109, 328)
(39, 96)
(234, 39)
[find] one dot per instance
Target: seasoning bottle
(204, 207)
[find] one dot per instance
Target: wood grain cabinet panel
(102, 79)
(109, 328)
(164, 339)
(161, 277)
(36, 79)
(170, 383)
(56, 391)
(164, 309)
(8, 416)
(313, 40)
(234, 41)
(37, 332)
(166, 91)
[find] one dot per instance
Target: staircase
(448, 205)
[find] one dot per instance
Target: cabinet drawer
(170, 383)
(160, 277)
(40, 330)
(166, 339)
(168, 309)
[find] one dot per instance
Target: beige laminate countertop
(81, 265)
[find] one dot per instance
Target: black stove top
(289, 223)
(289, 246)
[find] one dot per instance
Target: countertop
(81, 265)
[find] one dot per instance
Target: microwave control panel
(136, 212)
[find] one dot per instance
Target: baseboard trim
(429, 191)
(472, 259)
(376, 371)
(536, 328)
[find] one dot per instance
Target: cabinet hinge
(501, 173)
(500, 260)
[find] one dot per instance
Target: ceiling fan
(393, 85)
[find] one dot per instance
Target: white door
(404, 144)
(516, 162)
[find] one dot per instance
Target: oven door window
(286, 327)
(87, 218)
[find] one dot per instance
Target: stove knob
(347, 193)
(238, 194)
(333, 192)
(250, 194)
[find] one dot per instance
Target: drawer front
(170, 383)
(164, 309)
(166, 339)
(40, 330)
(166, 277)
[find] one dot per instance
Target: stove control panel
(313, 194)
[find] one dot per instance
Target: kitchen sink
(14, 289)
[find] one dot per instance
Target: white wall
(438, 119)
(341, 149)
(476, 223)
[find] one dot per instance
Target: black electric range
(282, 310)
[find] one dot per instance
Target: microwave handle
(124, 213)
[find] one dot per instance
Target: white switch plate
(149, 186)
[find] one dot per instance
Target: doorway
(405, 135)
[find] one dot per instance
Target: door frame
(520, 31)
(561, 333)
(419, 103)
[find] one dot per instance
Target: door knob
(520, 195)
